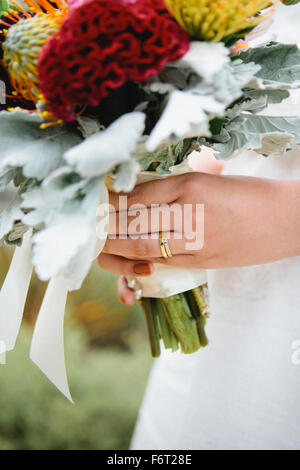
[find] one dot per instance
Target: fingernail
(142, 269)
(129, 299)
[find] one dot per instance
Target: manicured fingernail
(129, 299)
(142, 269)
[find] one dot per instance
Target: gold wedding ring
(164, 245)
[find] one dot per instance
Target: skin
(248, 221)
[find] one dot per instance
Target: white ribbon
(169, 280)
(14, 292)
(47, 346)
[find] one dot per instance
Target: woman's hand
(247, 221)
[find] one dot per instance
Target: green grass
(107, 386)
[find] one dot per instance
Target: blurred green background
(108, 362)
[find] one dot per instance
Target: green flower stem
(168, 337)
(179, 319)
(182, 323)
(152, 323)
(198, 306)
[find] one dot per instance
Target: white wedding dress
(243, 391)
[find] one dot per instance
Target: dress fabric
(243, 391)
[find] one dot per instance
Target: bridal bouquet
(99, 93)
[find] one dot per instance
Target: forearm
(259, 223)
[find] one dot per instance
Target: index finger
(163, 191)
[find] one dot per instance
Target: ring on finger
(164, 245)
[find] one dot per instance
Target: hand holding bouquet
(118, 88)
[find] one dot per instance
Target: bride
(242, 392)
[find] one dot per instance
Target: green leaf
(102, 152)
(9, 216)
(280, 65)
(163, 159)
(264, 134)
(216, 126)
(249, 105)
(231, 80)
(125, 176)
(205, 58)
(88, 126)
(15, 236)
(24, 145)
(6, 177)
(170, 79)
(204, 89)
(63, 203)
(255, 101)
(271, 96)
(187, 114)
(68, 240)
(166, 156)
(40, 202)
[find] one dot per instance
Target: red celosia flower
(101, 45)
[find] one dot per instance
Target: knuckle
(140, 248)
(191, 180)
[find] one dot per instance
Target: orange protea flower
(26, 31)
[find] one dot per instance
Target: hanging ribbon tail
(14, 292)
(47, 346)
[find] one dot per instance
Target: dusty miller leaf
(11, 214)
(6, 177)
(88, 126)
(206, 58)
(248, 132)
(231, 80)
(162, 157)
(271, 96)
(24, 145)
(280, 65)
(100, 153)
(69, 229)
(125, 176)
(186, 115)
(42, 201)
(249, 105)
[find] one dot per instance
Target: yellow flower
(213, 20)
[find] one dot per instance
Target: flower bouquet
(116, 92)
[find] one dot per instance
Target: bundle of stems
(179, 321)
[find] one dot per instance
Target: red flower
(101, 45)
